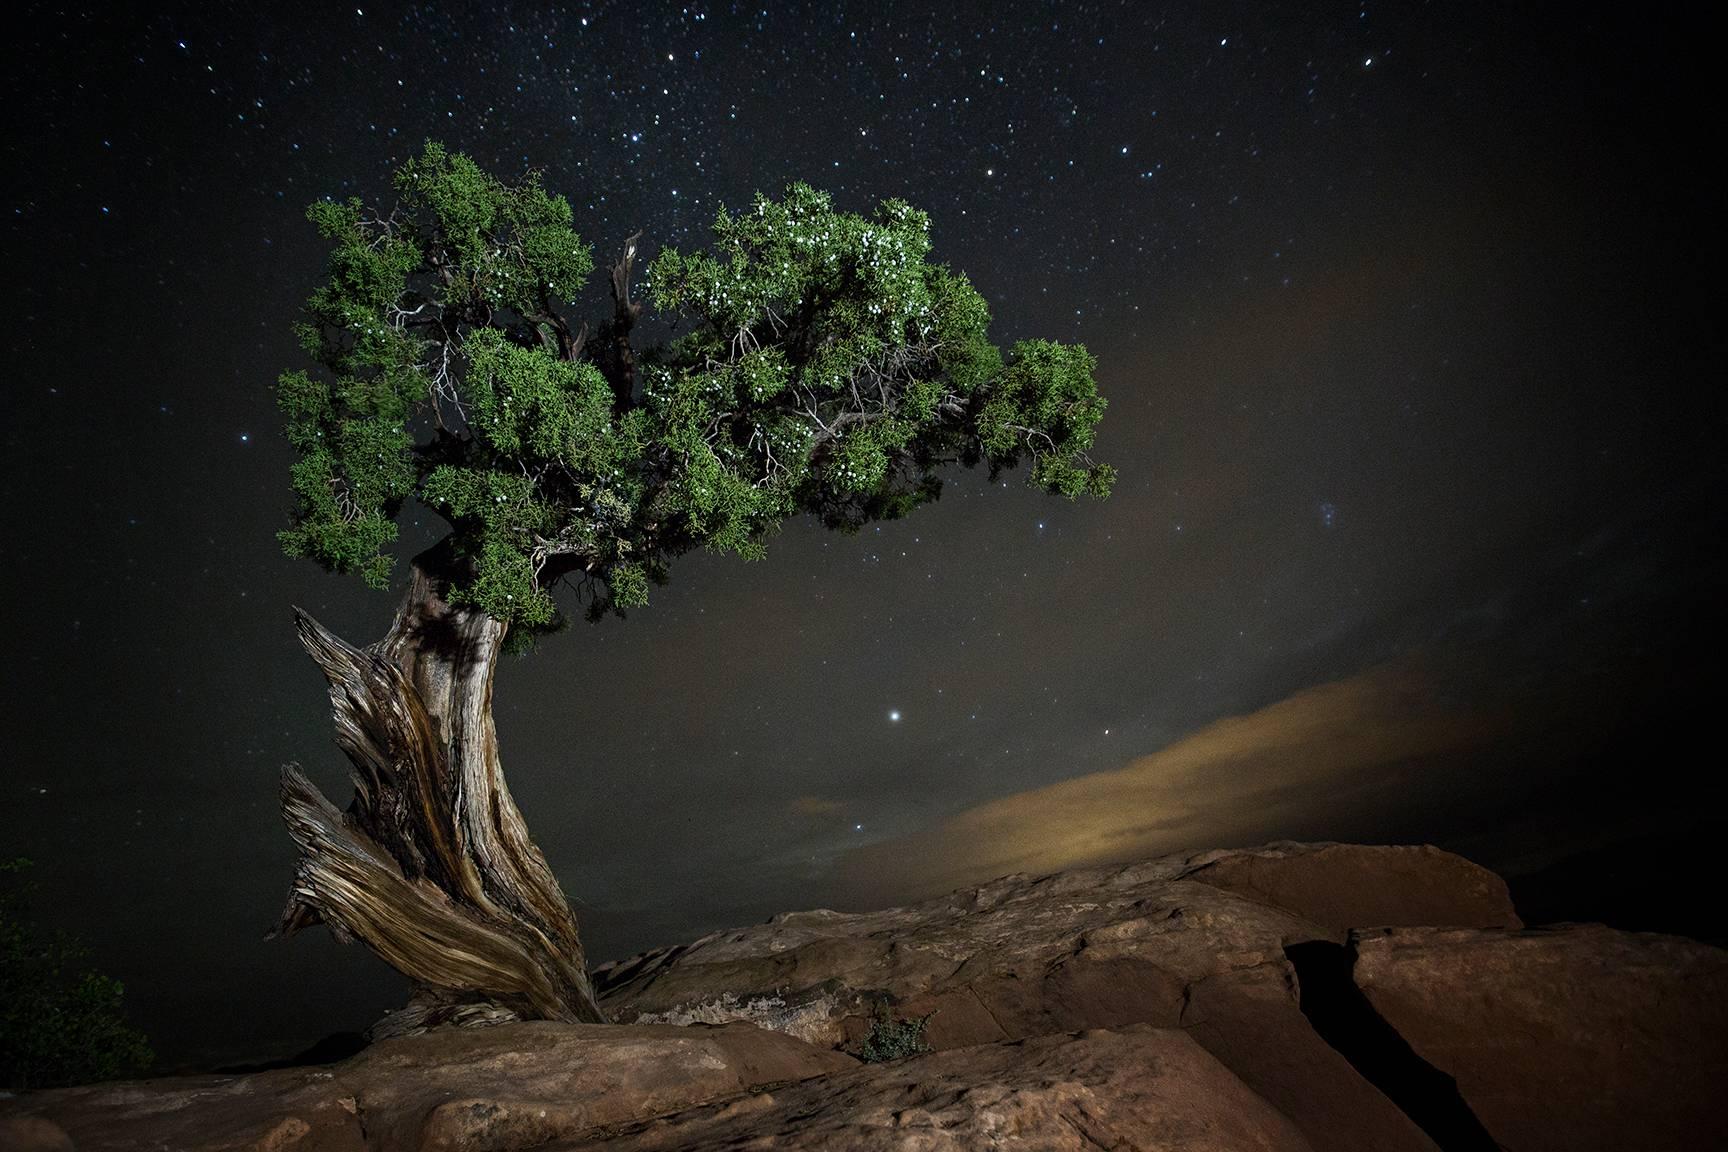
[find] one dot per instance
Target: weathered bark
(431, 865)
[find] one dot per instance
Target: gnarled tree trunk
(431, 865)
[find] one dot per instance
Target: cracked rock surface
(1140, 1087)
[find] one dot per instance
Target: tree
(60, 1022)
(826, 368)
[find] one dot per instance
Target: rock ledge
(1295, 996)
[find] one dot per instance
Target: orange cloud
(1279, 772)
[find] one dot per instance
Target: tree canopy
(822, 365)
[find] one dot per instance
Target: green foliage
(390, 325)
(1047, 405)
(513, 244)
(528, 405)
(331, 527)
(495, 512)
(60, 1023)
(892, 1039)
(828, 368)
(965, 354)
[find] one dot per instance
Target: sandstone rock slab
(1251, 1022)
(1026, 949)
(1150, 1089)
(481, 1089)
(1186, 940)
(1345, 886)
(1574, 1037)
(1278, 997)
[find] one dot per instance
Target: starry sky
(1403, 312)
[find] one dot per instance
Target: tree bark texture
(431, 865)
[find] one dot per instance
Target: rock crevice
(1342, 1016)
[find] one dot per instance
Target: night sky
(1403, 312)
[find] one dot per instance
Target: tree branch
(625, 313)
(569, 345)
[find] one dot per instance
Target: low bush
(60, 1022)
(891, 1039)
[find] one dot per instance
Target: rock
(1573, 1037)
(1250, 1021)
(1144, 1088)
(538, 1080)
(506, 1087)
(1345, 886)
(1225, 1000)
(1169, 942)
(266, 1112)
(1033, 952)
(33, 1134)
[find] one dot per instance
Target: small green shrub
(60, 1022)
(891, 1039)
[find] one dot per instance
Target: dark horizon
(1403, 317)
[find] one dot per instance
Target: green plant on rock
(892, 1038)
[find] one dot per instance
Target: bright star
(894, 715)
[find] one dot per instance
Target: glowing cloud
(1293, 768)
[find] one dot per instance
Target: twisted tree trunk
(431, 865)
